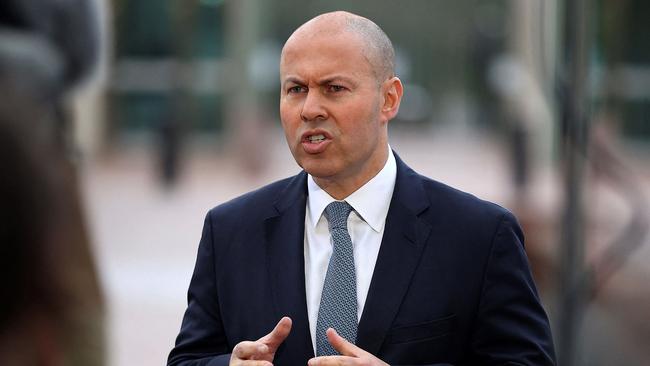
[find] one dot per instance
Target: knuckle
(242, 348)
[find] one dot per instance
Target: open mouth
(315, 142)
(314, 139)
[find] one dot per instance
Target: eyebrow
(292, 79)
(327, 80)
(334, 78)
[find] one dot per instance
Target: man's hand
(350, 354)
(262, 351)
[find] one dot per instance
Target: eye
(335, 88)
(295, 89)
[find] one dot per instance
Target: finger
(332, 361)
(250, 350)
(238, 362)
(254, 363)
(342, 345)
(278, 334)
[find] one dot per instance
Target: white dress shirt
(366, 226)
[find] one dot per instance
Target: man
(418, 273)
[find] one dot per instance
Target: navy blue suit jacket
(451, 284)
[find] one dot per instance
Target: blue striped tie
(338, 304)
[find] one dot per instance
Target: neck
(341, 187)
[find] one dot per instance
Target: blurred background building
(541, 106)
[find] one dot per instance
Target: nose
(312, 107)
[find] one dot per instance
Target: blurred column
(245, 125)
(89, 102)
(532, 47)
(574, 127)
(173, 128)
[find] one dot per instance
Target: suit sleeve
(202, 340)
(512, 327)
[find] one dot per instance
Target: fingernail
(262, 348)
(311, 362)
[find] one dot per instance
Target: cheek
(362, 124)
(285, 118)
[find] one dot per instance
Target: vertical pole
(173, 129)
(574, 141)
(245, 22)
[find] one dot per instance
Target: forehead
(323, 53)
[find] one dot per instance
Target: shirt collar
(370, 201)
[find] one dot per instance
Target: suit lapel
(286, 270)
(404, 237)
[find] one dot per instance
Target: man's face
(330, 106)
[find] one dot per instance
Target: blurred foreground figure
(51, 312)
(51, 309)
(357, 260)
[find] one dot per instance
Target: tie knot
(337, 214)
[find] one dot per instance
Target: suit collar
(409, 189)
(294, 192)
(404, 239)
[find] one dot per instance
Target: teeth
(316, 138)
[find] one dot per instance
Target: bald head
(376, 46)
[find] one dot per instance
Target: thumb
(340, 344)
(274, 339)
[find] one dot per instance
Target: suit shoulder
(454, 201)
(467, 215)
(442, 199)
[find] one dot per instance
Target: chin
(318, 169)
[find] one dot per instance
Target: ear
(392, 90)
